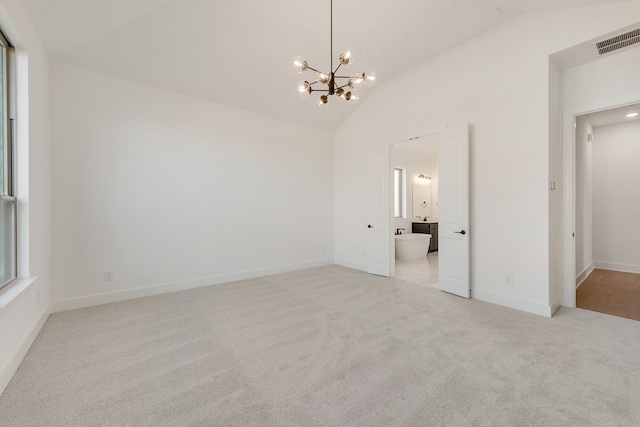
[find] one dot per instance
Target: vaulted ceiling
(239, 52)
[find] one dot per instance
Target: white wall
(499, 83)
(170, 192)
(584, 198)
(23, 317)
(610, 78)
(616, 198)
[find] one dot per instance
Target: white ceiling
(614, 116)
(239, 52)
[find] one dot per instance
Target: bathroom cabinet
(427, 228)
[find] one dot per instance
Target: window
(399, 191)
(7, 185)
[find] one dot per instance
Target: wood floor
(611, 292)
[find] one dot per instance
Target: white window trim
(21, 169)
(13, 289)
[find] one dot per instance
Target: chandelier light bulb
(323, 78)
(323, 100)
(353, 97)
(346, 58)
(340, 92)
(355, 81)
(304, 89)
(369, 77)
(300, 64)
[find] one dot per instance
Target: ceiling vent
(618, 42)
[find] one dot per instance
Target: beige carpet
(326, 346)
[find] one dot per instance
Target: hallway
(611, 292)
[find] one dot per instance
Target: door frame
(569, 186)
(439, 130)
(392, 241)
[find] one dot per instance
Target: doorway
(607, 252)
(415, 205)
(453, 211)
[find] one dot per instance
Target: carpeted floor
(326, 346)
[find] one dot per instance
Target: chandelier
(343, 86)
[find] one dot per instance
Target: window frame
(8, 150)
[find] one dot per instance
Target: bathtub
(410, 247)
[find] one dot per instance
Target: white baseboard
(163, 288)
(354, 265)
(585, 273)
(625, 268)
(518, 304)
(12, 365)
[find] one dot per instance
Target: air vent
(618, 42)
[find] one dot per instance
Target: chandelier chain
(331, 27)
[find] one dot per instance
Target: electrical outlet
(508, 279)
(108, 276)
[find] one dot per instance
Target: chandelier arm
(313, 69)
(342, 77)
(337, 68)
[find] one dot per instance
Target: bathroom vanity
(427, 228)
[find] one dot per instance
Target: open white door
(453, 211)
(377, 226)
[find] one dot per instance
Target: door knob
(461, 232)
(369, 226)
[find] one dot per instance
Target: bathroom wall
(434, 188)
(414, 165)
(169, 192)
(616, 199)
